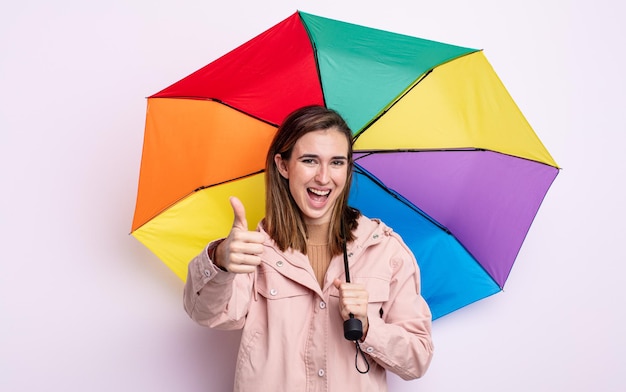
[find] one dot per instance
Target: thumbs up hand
(240, 251)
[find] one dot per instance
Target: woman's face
(316, 172)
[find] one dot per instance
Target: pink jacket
(292, 336)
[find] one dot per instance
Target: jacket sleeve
(215, 298)
(399, 335)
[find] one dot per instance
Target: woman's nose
(322, 174)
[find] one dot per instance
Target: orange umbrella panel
(192, 144)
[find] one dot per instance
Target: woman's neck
(318, 233)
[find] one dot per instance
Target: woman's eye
(338, 163)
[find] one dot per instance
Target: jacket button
(369, 349)
(279, 263)
(322, 305)
(273, 292)
(321, 372)
(207, 273)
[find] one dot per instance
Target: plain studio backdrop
(85, 307)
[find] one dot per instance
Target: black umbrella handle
(352, 327)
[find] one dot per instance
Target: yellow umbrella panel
(181, 232)
(461, 104)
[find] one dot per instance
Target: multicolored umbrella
(444, 155)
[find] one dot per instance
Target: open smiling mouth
(318, 194)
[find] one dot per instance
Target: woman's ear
(281, 165)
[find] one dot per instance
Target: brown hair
(283, 219)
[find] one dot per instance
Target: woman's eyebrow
(317, 156)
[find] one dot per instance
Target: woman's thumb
(239, 210)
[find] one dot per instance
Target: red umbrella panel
(444, 155)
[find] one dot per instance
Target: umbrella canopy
(443, 154)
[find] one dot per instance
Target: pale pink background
(85, 307)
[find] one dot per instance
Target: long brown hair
(283, 219)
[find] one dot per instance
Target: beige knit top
(318, 250)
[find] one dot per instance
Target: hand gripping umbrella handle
(352, 327)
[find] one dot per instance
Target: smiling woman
(309, 160)
(285, 284)
(316, 173)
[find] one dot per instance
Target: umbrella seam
(200, 188)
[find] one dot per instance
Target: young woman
(285, 283)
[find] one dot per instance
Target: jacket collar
(296, 266)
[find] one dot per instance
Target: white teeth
(318, 192)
